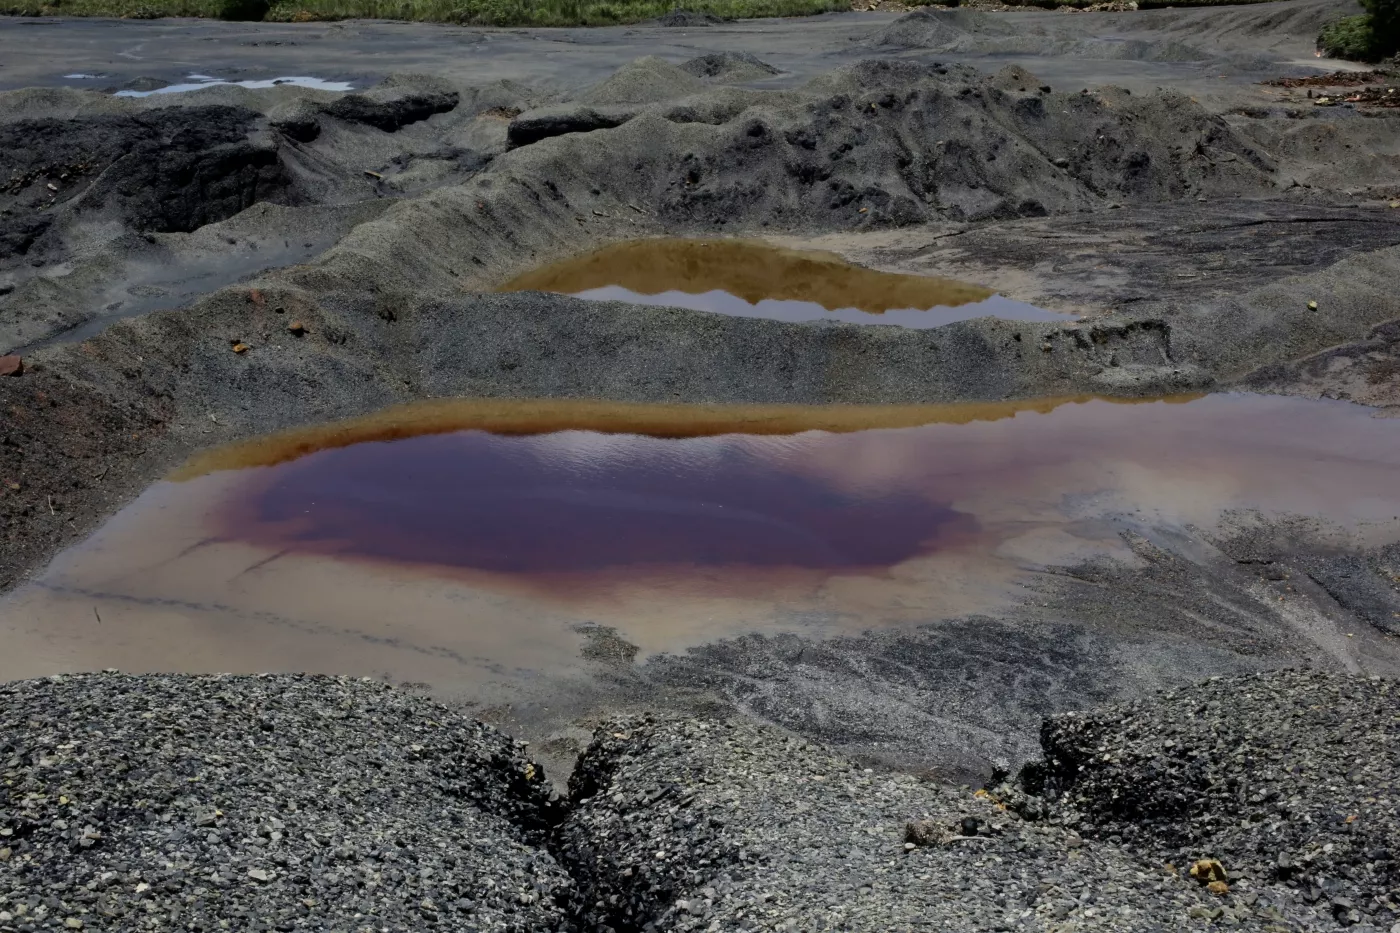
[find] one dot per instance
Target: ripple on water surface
(464, 543)
(750, 278)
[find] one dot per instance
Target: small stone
(240, 348)
(11, 365)
(1207, 870)
(297, 328)
(926, 833)
(1312, 305)
(1218, 887)
(259, 874)
(73, 923)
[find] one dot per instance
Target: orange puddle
(543, 416)
(748, 269)
(750, 278)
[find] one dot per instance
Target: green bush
(244, 10)
(1367, 38)
(1385, 24)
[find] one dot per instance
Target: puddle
(84, 77)
(197, 82)
(471, 544)
(749, 278)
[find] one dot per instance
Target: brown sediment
(750, 269)
(542, 416)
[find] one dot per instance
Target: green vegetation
(130, 9)
(1082, 4)
(477, 12)
(1352, 35)
(1367, 38)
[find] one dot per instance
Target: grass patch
(1350, 38)
(1082, 4)
(474, 12)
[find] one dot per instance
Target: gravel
(684, 824)
(265, 803)
(285, 802)
(1289, 779)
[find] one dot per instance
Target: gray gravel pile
(1290, 779)
(730, 66)
(727, 825)
(264, 803)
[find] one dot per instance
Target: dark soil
(1332, 79)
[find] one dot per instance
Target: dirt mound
(730, 66)
(169, 170)
(1332, 79)
(1287, 779)
(941, 29)
(644, 81)
(105, 188)
(1017, 79)
(76, 186)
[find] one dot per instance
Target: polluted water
(472, 544)
(198, 82)
(750, 278)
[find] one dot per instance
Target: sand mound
(644, 81)
(1015, 78)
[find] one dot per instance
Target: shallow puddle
(198, 82)
(749, 278)
(471, 545)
